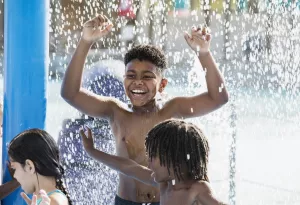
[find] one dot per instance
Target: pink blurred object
(126, 9)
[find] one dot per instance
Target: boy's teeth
(138, 91)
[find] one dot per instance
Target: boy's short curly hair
(149, 53)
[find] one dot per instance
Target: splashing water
(256, 49)
(87, 179)
(173, 181)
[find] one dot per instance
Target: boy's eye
(129, 76)
(149, 77)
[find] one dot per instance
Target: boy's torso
(130, 131)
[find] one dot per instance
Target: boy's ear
(163, 84)
(29, 166)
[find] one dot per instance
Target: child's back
(190, 193)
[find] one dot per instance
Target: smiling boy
(143, 80)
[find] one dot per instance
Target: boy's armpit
(194, 106)
(95, 105)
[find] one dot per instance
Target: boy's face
(160, 173)
(142, 81)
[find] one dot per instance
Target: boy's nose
(138, 82)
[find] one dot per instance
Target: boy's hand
(199, 39)
(87, 138)
(45, 198)
(96, 28)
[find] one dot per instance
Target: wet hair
(149, 53)
(39, 147)
(179, 145)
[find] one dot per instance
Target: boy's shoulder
(201, 187)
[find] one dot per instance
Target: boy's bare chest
(130, 137)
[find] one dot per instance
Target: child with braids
(178, 159)
(34, 156)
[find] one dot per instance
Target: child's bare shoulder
(121, 108)
(169, 107)
(58, 199)
(204, 193)
(202, 187)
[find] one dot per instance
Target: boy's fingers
(81, 132)
(208, 37)
(187, 37)
(26, 198)
(89, 132)
(95, 22)
(204, 31)
(108, 27)
(92, 23)
(101, 18)
(194, 29)
(198, 37)
(106, 19)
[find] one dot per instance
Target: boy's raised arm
(217, 95)
(71, 91)
(126, 166)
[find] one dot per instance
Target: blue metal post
(26, 48)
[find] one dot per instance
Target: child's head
(144, 73)
(177, 149)
(34, 153)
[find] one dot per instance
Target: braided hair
(179, 145)
(39, 147)
(60, 184)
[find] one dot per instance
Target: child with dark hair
(34, 156)
(178, 159)
(144, 79)
(181, 146)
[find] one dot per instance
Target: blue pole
(26, 48)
